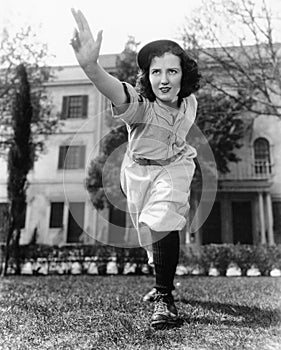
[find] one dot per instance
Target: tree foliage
(126, 67)
(221, 121)
(23, 48)
(20, 158)
(235, 44)
(25, 120)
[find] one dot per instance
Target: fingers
(84, 31)
(83, 21)
(77, 17)
(99, 39)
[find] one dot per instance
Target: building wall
(268, 127)
(49, 184)
(260, 192)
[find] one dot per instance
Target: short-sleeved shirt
(155, 132)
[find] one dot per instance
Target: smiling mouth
(165, 89)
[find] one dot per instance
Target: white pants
(157, 196)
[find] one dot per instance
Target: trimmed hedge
(220, 256)
(202, 258)
(98, 253)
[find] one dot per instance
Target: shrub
(243, 256)
(216, 255)
(189, 256)
(266, 258)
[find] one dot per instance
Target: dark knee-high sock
(165, 256)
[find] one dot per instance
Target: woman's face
(165, 75)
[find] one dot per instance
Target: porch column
(261, 215)
(269, 219)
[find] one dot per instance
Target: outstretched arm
(87, 52)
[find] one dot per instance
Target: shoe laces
(162, 301)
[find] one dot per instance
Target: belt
(161, 162)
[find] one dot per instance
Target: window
(71, 157)
(56, 217)
(262, 156)
(74, 107)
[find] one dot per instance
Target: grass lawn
(106, 312)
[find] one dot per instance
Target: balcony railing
(259, 170)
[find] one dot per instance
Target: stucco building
(247, 208)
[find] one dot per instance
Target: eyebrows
(160, 66)
(157, 69)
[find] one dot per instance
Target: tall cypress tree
(20, 162)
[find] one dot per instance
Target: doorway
(242, 222)
(211, 229)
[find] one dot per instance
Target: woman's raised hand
(86, 49)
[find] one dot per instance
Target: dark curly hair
(190, 74)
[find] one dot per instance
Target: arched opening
(262, 157)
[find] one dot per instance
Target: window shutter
(56, 217)
(62, 155)
(82, 157)
(65, 104)
(84, 106)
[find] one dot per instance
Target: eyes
(170, 71)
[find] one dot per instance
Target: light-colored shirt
(155, 132)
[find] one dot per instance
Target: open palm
(86, 49)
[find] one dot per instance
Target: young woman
(158, 166)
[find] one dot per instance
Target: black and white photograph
(140, 175)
